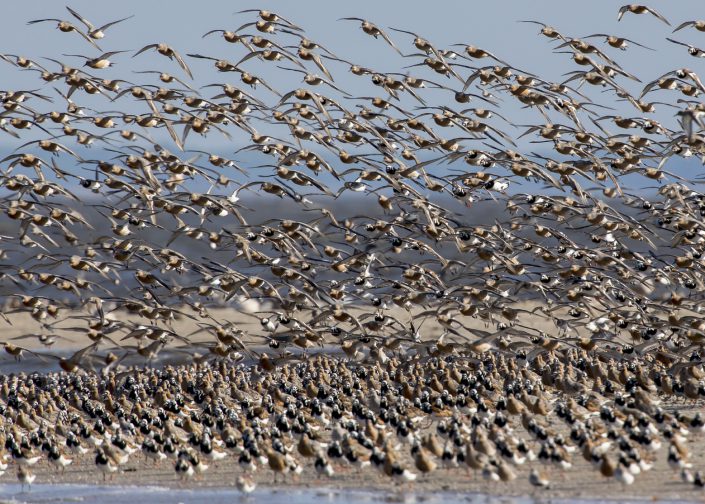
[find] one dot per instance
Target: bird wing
(75, 14)
(182, 63)
(659, 16)
(389, 41)
(679, 43)
(145, 48)
(683, 25)
(319, 63)
(108, 25)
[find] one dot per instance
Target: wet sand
(223, 495)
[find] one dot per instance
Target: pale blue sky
(490, 25)
(486, 24)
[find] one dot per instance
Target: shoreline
(333, 494)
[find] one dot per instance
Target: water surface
(46, 493)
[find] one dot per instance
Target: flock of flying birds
(111, 221)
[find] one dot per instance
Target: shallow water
(43, 493)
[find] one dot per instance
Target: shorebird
(169, 52)
(640, 9)
(697, 24)
(245, 484)
(66, 27)
(373, 30)
(96, 33)
(25, 477)
(538, 479)
(105, 464)
(100, 62)
(692, 50)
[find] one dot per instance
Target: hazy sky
(485, 24)
(490, 25)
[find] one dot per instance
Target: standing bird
(424, 461)
(25, 477)
(183, 469)
(57, 458)
(323, 466)
(277, 463)
(245, 484)
(539, 480)
(105, 464)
